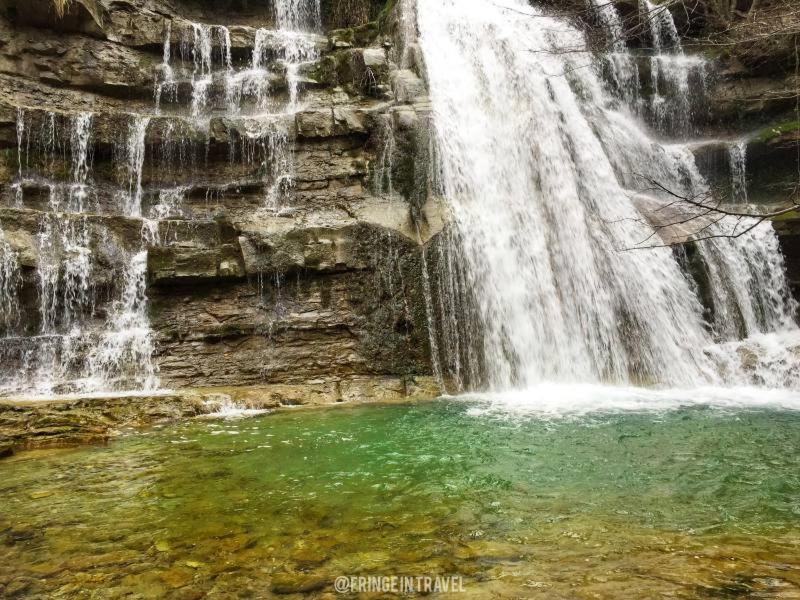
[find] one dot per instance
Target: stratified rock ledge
(71, 421)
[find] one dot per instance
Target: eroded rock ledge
(64, 422)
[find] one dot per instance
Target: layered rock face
(201, 194)
(208, 194)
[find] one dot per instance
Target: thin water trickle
(166, 85)
(134, 158)
(17, 185)
(10, 281)
(737, 156)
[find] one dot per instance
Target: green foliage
(775, 131)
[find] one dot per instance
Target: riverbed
(682, 497)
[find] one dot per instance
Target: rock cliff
(241, 193)
(260, 169)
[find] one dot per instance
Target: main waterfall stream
(553, 264)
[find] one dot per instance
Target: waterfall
(64, 271)
(298, 15)
(737, 156)
(124, 352)
(544, 174)
(134, 159)
(253, 82)
(201, 52)
(17, 185)
(294, 19)
(408, 33)
(10, 282)
(167, 82)
(92, 337)
(62, 354)
(677, 80)
(663, 32)
(621, 65)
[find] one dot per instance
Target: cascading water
(96, 337)
(294, 19)
(672, 73)
(134, 160)
(546, 178)
(125, 350)
(621, 65)
(57, 357)
(201, 49)
(737, 156)
(408, 33)
(10, 281)
(248, 92)
(166, 84)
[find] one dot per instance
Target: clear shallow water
(689, 502)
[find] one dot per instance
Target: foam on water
(556, 401)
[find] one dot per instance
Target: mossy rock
(6, 449)
(325, 71)
(298, 583)
(363, 35)
(773, 132)
(789, 216)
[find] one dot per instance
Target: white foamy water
(542, 169)
(557, 401)
(226, 408)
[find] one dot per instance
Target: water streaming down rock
(621, 66)
(134, 153)
(165, 83)
(64, 271)
(200, 49)
(10, 281)
(295, 19)
(125, 349)
(545, 179)
(677, 81)
(17, 186)
(57, 357)
(253, 82)
(407, 33)
(737, 156)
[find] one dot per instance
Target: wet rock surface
(30, 424)
(277, 247)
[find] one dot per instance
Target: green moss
(790, 216)
(773, 132)
(363, 35)
(325, 71)
(383, 19)
(342, 35)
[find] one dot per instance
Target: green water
(686, 503)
